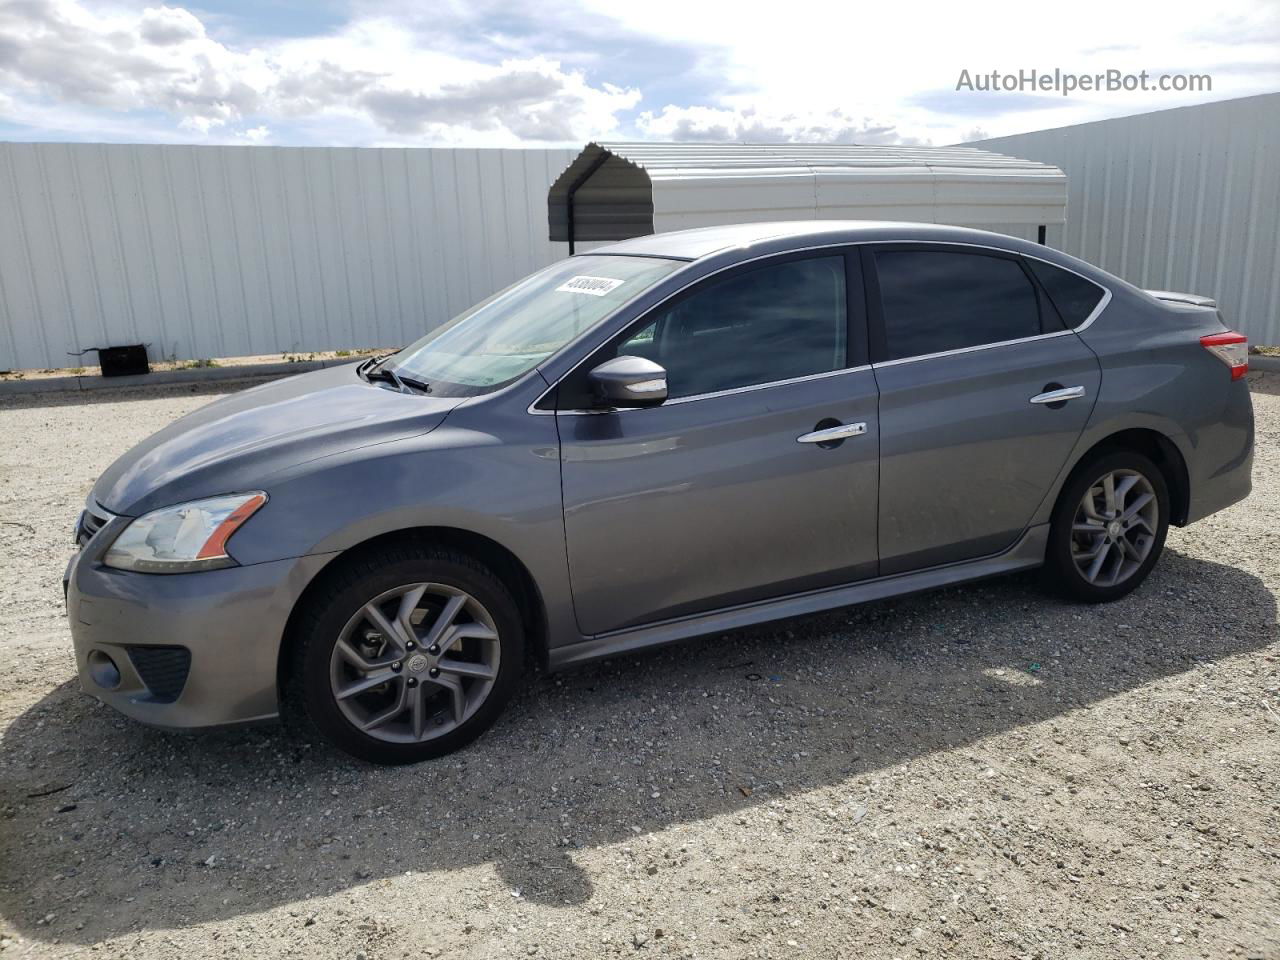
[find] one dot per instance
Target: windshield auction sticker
(591, 286)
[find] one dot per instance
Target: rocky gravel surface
(979, 772)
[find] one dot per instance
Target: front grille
(163, 669)
(91, 521)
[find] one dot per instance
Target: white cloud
(501, 72)
(712, 123)
(63, 51)
(166, 26)
(884, 60)
(372, 75)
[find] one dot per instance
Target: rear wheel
(405, 654)
(1108, 527)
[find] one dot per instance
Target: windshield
(509, 334)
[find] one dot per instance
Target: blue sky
(496, 73)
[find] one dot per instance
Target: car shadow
(108, 827)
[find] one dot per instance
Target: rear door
(719, 497)
(969, 355)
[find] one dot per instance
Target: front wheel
(1108, 527)
(405, 654)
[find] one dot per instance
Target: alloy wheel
(1114, 529)
(414, 663)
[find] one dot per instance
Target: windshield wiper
(420, 385)
(375, 371)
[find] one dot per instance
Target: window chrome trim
(1097, 311)
(715, 394)
(843, 244)
(974, 349)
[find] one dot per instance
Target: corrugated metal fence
(1185, 199)
(240, 251)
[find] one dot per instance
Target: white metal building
(241, 251)
(1185, 199)
(613, 191)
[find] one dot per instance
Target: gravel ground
(980, 772)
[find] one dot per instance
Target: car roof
(796, 234)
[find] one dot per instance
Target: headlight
(182, 538)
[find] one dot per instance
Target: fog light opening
(103, 670)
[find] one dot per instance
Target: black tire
(1061, 573)
(309, 703)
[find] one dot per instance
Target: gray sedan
(671, 436)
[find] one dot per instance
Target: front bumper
(230, 622)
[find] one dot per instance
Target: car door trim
(1026, 552)
(838, 245)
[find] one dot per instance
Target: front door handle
(1060, 395)
(841, 431)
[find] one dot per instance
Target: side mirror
(629, 382)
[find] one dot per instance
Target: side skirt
(1027, 553)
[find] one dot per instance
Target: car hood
(238, 441)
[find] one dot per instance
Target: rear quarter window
(1074, 297)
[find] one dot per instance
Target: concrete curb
(169, 377)
(1265, 364)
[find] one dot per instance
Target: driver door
(714, 498)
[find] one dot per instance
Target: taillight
(1232, 349)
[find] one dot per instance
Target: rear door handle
(841, 431)
(1061, 395)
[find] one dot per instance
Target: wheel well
(505, 564)
(1161, 451)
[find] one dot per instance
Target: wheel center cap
(417, 663)
(1114, 529)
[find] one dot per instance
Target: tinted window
(1073, 295)
(936, 300)
(772, 323)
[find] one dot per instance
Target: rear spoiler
(1192, 298)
